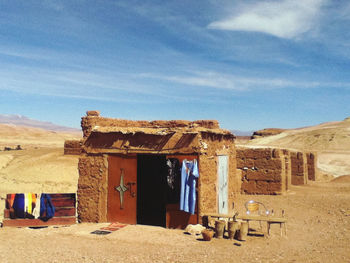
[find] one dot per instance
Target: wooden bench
(65, 210)
(259, 218)
(268, 219)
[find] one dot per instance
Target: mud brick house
(123, 170)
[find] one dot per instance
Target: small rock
(194, 229)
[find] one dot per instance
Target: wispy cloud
(238, 83)
(284, 19)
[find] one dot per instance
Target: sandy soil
(317, 231)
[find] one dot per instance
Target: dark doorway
(151, 190)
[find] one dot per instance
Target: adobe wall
(72, 147)
(298, 168)
(287, 168)
(92, 188)
(311, 166)
(208, 183)
(277, 169)
(263, 170)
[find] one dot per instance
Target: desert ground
(318, 227)
(317, 231)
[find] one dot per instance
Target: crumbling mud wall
(72, 147)
(298, 168)
(92, 188)
(273, 171)
(93, 119)
(263, 170)
(311, 166)
(215, 146)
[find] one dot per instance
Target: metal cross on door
(223, 184)
(122, 189)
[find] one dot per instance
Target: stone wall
(92, 188)
(263, 170)
(72, 147)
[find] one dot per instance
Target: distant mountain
(20, 120)
(267, 132)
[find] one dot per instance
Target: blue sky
(249, 64)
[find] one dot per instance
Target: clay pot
(219, 228)
(207, 234)
(232, 228)
(243, 231)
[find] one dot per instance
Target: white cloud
(232, 82)
(285, 19)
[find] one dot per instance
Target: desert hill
(29, 134)
(267, 132)
(330, 136)
(330, 140)
(13, 135)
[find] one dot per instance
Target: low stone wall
(72, 147)
(263, 170)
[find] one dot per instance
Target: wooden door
(122, 189)
(223, 184)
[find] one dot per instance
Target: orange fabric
(12, 199)
(33, 198)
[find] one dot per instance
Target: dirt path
(318, 230)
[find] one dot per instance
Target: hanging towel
(36, 210)
(11, 200)
(25, 202)
(47, 209)
(18, 206)
(189, 173)
(29, 203)
(33, 202)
